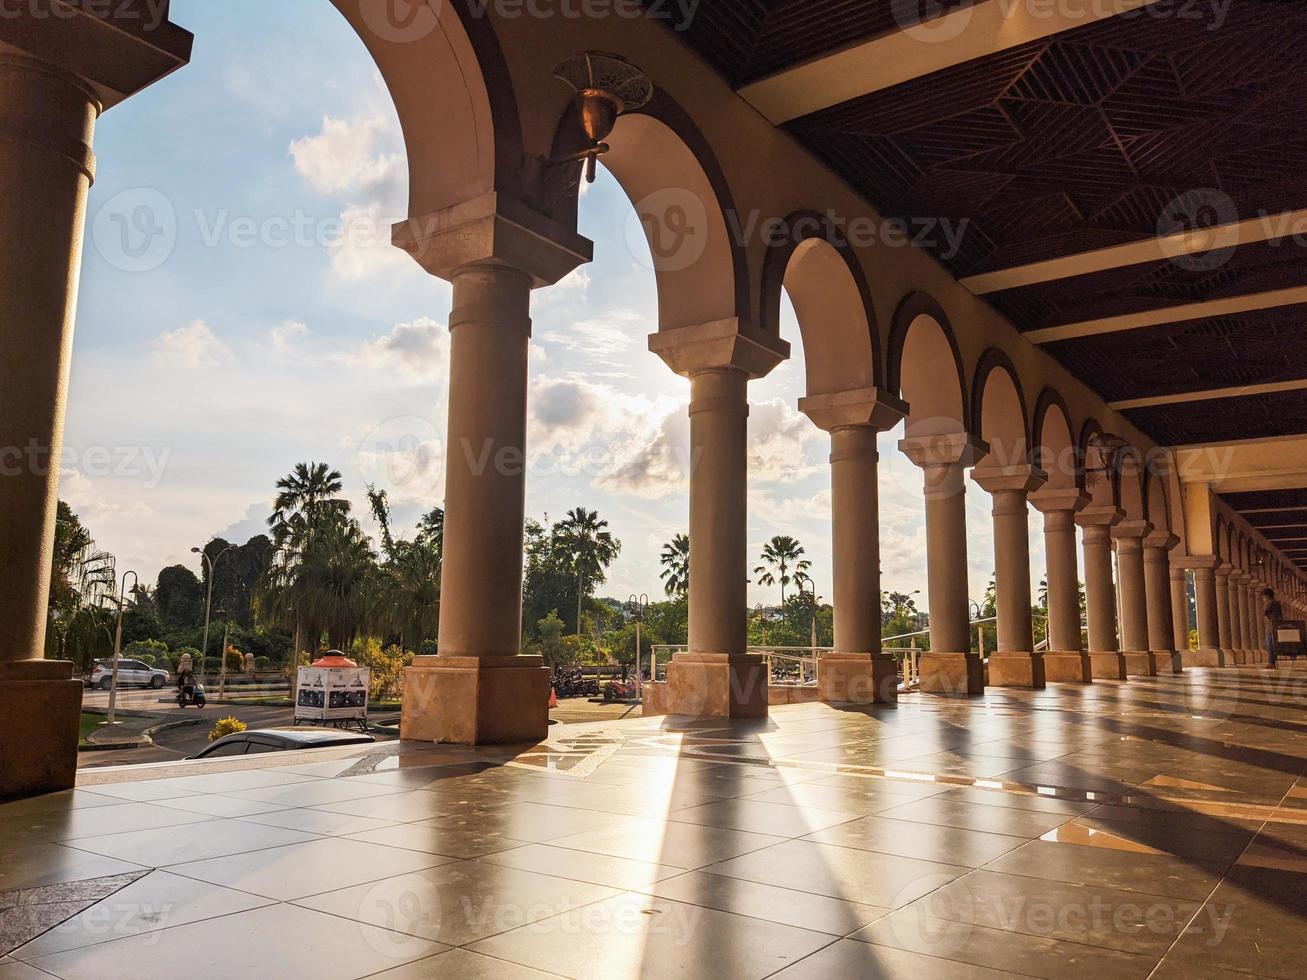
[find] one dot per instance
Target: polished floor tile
(193, 842)
(757, 817)
(678, 845)
(262, 944)
(158, 900)
(459, 903)
(434, 837)
(458, 964)
(630, 936)
(299, 870)
(852, 960)
(46, 864)
(929, 842)
(599, 869)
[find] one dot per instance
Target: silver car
(131, 673)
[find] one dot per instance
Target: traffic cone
(553, 697)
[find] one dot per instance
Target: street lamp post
(204, 652)
(222, 669)
(118, 641)
(641, 605)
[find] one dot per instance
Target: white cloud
(286, 335)
(343, 159)
(193, 347)
(418, 351)
(782, 443)
(610, 339)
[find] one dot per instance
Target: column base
(1166, 662)
(1138, 663)
(953, 674)
(715, 685)
(1207, 657)
(1016, 669)
(40, 710)
(476, 700)
(1067, 668)
(858, 678)
(1224, 658)
(1107, 665)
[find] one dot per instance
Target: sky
(241, 310)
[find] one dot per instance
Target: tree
(305, 499)
(591, 549)
(782, 562)
(83, 580)
(675, 560)
(179, 598)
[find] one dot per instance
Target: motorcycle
(191, 695)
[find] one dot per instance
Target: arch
(1100, 477)
(1131, 481)
(924, 368)
(669, 173)
(831, 299)
(448, 80)
(1221, 546)
(998, 407)
(1053, 448)
(1157, 501)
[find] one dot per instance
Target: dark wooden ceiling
(1280, 516)
(1084, 141)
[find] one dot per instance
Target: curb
(142, 740)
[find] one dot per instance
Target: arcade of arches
(745, 169)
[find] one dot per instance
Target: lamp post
(222, 668)
(640, 603)
(204, 652)
(118, 641)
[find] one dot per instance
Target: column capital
(492, 229)
(1161, 540)
(1100, 516)
(1134, 530)
(859, 407)
(946, 449)
(1020, 477)
(733, 344)
(116, 49)
(1049, 500)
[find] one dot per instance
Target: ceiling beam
(1272, 227)
(1228, 306)
(963, 35)
(1211, 394)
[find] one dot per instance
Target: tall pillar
(1157, 584)
(478, 689)
(1015, 663)
(857, 672)
(716, 677)
(1256, 622)
(1180, 612)
(57, 74)
(1238, 617)
(950, 667)
(1225, 633)
(1208, 653)
(1105, 660)
(1065, 659)
(1129, 537)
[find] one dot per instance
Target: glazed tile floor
(1156, 828)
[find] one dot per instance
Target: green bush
(262, 663)
(226, 726)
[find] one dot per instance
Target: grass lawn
(89, 723)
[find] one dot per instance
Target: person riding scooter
(188, 691)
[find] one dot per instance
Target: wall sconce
(1107, 445)
(606, 86)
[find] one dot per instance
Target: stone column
(479, 690)
(857, 671)
(1238, 618)
(1129, 537)
(716, 677)
(58, 72)
(1208, 653)
(1065, 659)
(1015, 663)
(1180, 612)
(1256, 622)
(1157, 584)
(1225, 633)
(1105, 660)
(950, 667)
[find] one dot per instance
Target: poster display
(332, 694)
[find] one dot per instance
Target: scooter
(191, 695)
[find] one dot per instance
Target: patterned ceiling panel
(1222, 419)
(1275, 518)
(1277, 264)
(747, 39)
(1086, 138)
(1196, 355)
(1267, 500)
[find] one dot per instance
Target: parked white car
(131, 673)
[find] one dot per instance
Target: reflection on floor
(1150, 828)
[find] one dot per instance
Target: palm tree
(407, 597)
(83, 579)
(676, 565)
(306, 497)
(591, 548)
(781, 556)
